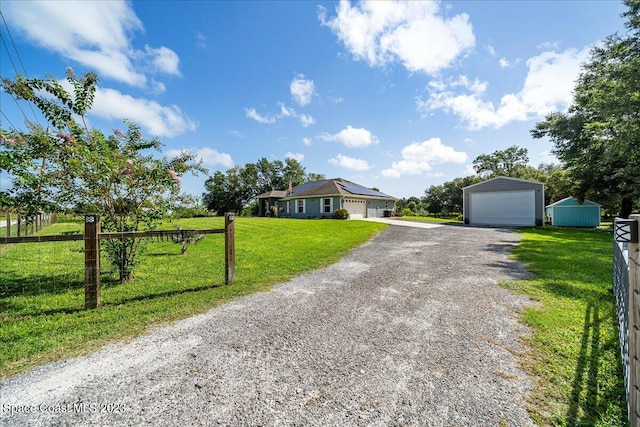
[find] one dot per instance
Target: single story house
(268, 202)
(569, 213)
(321, 198)
(504, 201)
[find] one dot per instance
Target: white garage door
(503, 208)
(357, 208)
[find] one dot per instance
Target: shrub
(340, 214)
(407, 212)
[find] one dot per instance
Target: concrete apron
(403, 223)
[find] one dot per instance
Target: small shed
(569, 212)
(504, 201)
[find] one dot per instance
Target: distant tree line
(597, 140)
(236, 189)
(446, 199)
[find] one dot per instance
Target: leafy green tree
(115, 176)
(453, 195)
(435, 199)
(598, 138)
(501, 162)
(238, 188)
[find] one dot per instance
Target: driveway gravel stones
(410, 328)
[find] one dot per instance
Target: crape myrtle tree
(598, 138)
(70, 165)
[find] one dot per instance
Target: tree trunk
(626, 207)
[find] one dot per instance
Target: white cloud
(163, 59)
(351, 137)
(418, 158)
(505, 63)
(97, 35)
(207, 155)
(285, 111)
(306, 120)
(156, 119)
(549, 45)
(302, 89)
(253, 114)
(295, 156)
(490, 49)
(236, 133)
(349, 163)
(306, 141)
(548, 157)
(547, 88)
(412, 33)
(469, 170)
(201, 40)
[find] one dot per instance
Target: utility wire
(7, 118)
(14, 67)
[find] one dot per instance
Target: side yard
(575, 355)
(41, 285)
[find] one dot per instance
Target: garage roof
(501, 178)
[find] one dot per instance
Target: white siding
(503, 208)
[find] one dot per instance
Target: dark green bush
(340, 214)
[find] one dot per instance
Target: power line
(15, 69)
(14, 46)
(7, 118)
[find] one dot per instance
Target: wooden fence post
(634, 330)
(19, 223)
(91, 261)
(8, 224)
(229, 248)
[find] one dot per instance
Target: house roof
(272, 194)
(334, 187)
(572, 201)
(502, 178)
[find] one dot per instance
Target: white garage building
(504, 201)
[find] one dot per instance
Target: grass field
(42, 295)
(574, 354)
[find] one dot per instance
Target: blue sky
(396, 95)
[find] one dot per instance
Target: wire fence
(50, 276)
(626, 289)
(621, 294)
(15, 225)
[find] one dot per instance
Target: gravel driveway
(409, 329)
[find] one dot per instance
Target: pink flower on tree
(118, 132)
(173, 174)
(129, 162)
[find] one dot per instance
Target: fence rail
(92, 237)
(626, 289)
(27, 225)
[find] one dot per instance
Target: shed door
(503, 208)
(357, 208)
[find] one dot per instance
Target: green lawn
(574, 356)
(41, 284)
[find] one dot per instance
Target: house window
(300, 206)
(327, 205)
